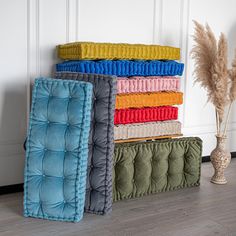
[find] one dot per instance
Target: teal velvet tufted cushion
(57, 150)
(151, 167)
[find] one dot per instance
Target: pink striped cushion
(147, 84)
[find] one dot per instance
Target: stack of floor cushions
(102, 94)
(147, 86)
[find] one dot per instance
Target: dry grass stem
(211, 68)
(232, 90)
(232, 76)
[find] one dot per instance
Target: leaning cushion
(89, 50)
(147, 130)
(123, 67)
(138, 100)
(99, 180)
(151, 167)
(57, 150)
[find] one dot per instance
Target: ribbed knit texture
(139, 100)
(124, 67)
(89, 50)
(140, 115)
(152, 129)
(147, 84)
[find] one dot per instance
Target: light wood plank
(148, 138)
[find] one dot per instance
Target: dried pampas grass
(204, 54)
(232, 90)
(232, 76)
(211, 68)
(220, 77)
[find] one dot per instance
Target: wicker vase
(220, 159)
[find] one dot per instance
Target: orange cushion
(148, 99)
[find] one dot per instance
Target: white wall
(30, 29)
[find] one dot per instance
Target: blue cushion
(57, 150)
(123, 67)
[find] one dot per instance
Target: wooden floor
(200, 211)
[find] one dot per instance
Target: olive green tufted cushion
(151, 167)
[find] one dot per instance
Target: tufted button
(48, 122)
(45, 149)
(92, 166)
(65, 151)
(68, 124)
(44, 175)
(64, 201)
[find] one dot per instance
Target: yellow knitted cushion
(89, 50)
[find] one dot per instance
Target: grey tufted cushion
(99, 179)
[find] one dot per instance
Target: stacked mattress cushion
(93, 51)
(148, 84)
(57, 150)
(123, 67)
